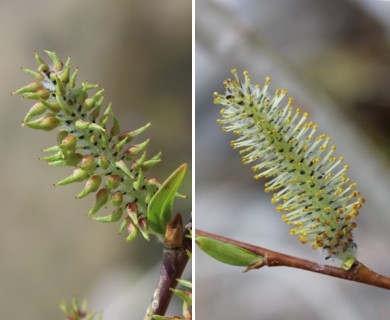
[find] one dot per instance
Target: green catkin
(92, 142)
(310, 184)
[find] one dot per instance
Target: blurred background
(140, 51)
(333, 57)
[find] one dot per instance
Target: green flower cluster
(310, 183)
(79, 311)
(91, 140)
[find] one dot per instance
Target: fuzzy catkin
(310, 184)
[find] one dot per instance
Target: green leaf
(185, 296)
(161, 205)
(227, 253)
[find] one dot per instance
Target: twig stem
(174, 261)
(359, 272)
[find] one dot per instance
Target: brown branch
(359, 272)
(174, 261)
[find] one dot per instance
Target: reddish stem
(359, 272)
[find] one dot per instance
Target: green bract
(315, 195)
(90, 139)
(79, 311)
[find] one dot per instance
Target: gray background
(140, 51)
(333, 57)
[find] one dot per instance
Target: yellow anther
(302, 239)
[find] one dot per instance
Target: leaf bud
(36, 110)
(104, 141)
(94, 126)
(100, 201)
(143, 227)
(136, 148)
(149, 164)
(138, 163)
(154, 182)
(113, 181)
(73, 77)
(132, 212)
(117, 199)
(81, 124)
(53, 157)
(124, 224)
(53, 106)
(68, 144)
(96, 111)
(132, 134)
(70, 160)
(120, 144)
(64, 106)
(37, 75)
(60, 87)
(115, 128)
(91, 185)
(33, 87)
(43, 67)
(120, 164)
(51, 149)
(61, 135)
(57, 63)
(113, 217)
(133, 232)
(40, 94)
(90, 103)
(88, 163)
(103, 162)
(77, 176)
(64, 75)
(137, 184)
(47, 123)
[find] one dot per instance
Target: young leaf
(161, 205)
(227, 253)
